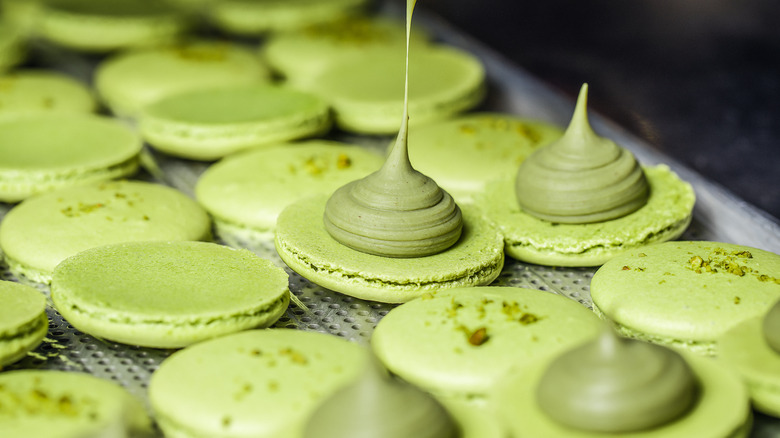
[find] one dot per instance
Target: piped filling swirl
(771, 327)
(617, 385)
(396, 211)
(581, 178)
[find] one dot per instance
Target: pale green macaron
(259, 383)
(44, 230)
(59, 404)
(253, 17)
(721, 411)
(23, 321)
(458, 344)
(745, 349)
(41, 90)
(299, 55)
(41, 152)
(367, 92)
(686, 294)
(168, 294)
(100, 26)
(304, 244)
(464, 154)
(665, 217)
(210, 124)
(245, 192)
(128, 81)
(13, 47)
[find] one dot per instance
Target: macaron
(13, 47)
(665, 217)
(210, 124)
(252, 17)
(42, 231)
(366, 92)
(259, 383)
(459, 343)
(245, 192)
(685, 294)
(584, 199)
(168, 294)
(21, 14)
(306, 246)
(299, 55)
(45, 151)
(98, 26)
(60, 404)
(752, 349)
(128, 81)
(42, 90)
(582, 393)
(23, 320)
(467, 152)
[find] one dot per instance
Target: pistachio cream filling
(617, 385)
(396, 211)
(771, 327)
(381, 406)
(582, 177)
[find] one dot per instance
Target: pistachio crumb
(479, 337)
(343, 161)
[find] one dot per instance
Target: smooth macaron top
(686, 291)
(20, 305)
(460, 342)
(41, 90)
(55, 142)
(251, 189)
(367, 92)
(251, 17)
(58, 404)
(99, 26)
(465, 153)
(131, 80)
(234, 105)
(301, 54)
(260, 383)
(167, 281)
(44, 230)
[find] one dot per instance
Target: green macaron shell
(659, 294)
(23, 320)
(258, 383)
(248, 190)
(250, 17)
(40, 152)
(664, 217)
(303, 243)
(209, 124)
(40, 90)
(99, 26)
(367, 92)
(431, 342)
(464, 154)
(168, 294)
(44, 230)
(302, 54)
(13, 46)
(721, 412)
(130, 80)
(58, 404)
(744, 349)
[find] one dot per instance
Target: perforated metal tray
(718, 216)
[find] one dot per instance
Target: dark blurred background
(697, 79)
